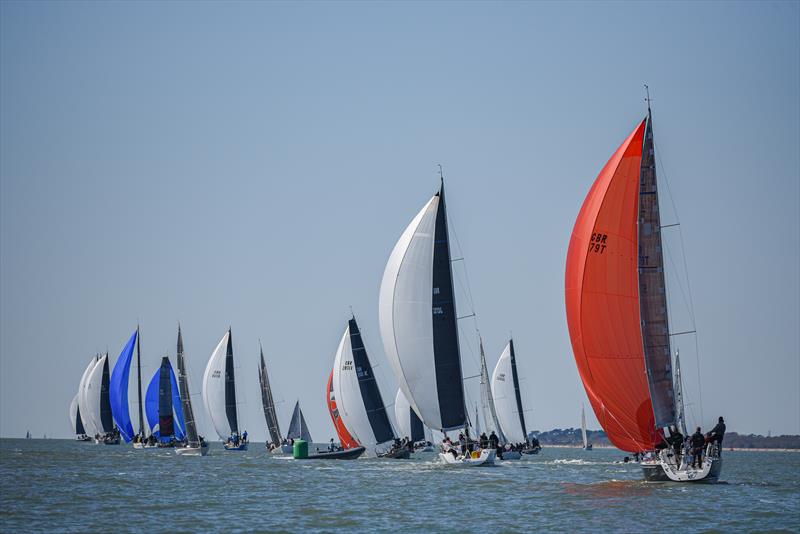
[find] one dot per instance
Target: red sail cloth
(602, 301)
(347, 441)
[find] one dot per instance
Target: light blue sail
(118, 390)
(151, 405)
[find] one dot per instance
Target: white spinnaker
(214, 389)
(94, 384)
(73, 413)
(83, 404)
(402, 414)
(349, 400)
(406, 314)
(505, 399)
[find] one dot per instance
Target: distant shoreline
(724, 450)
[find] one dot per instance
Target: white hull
(282, 450)
(664, 468)
(143, 446)
(192, 451)
(485, 457)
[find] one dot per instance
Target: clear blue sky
(252, 164)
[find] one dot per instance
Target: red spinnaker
(602, 300)
(347, 441)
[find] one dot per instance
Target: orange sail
(603, 305)
(347, 441)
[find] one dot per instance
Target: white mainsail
(505, 399)
(83, 404)
(92, 390)
(402, 414)
(214, 389)
(488, 405)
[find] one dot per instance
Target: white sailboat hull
(484, 457)
(663, 468)
(192, 451)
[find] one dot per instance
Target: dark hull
(349, 454)
(400, 454)
(534, 450)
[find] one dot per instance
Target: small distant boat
(219, 395)
(586, 445)
(297, 428)
(417, 312)
(77, 422)
(28, 434)
(164, 408)
(409, 424)
(359, 398)
(194, 445)
(617, 311)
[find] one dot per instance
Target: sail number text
(598, 243)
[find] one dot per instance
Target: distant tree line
(572, 437)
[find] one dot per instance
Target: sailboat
(27, 434)
(490, 411)
(97, 405)
(297, 426)
(275, 446)
(120, 378)
(586, 445)
(409, 424)
(219, 395)
(508, 402)
(616, 303)
(417, 313)
(163, 406)
(359, 401)
(77, 422)
(195, 445)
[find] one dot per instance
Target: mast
(652, 287)
(139, 372)
(183, 385)
(679, 412)
(583, 428)
(517, 393)
(230, 388)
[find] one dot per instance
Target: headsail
(118, 389)
(583, 428)
(409, 425)
(418, 319)
(345, 438)
(614, 298)
(297, 427)
(75, 416)
(268, 403)
(488, 404)
(94, 395)
(219, 393)
(358, 396)
(83, 398)
(183, 387)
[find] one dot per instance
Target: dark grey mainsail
(417, 429)
(652, 290)
(230, 388)
(297, 427)
(267, 402)
(370, 393)
(183, 384)
(106, 417)
(516, 389)
(447, 359)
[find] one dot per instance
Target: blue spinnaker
(118, 390)
(151, 406)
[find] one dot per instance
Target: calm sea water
(69, 486)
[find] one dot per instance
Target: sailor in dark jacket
(698, 441)
(717, 433)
